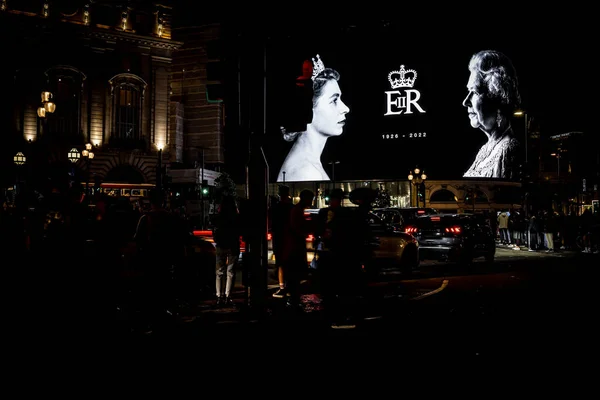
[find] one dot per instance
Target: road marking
(444, 284)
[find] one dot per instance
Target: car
(391, 249)
(454, 237)
(399, 217)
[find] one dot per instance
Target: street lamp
(557, 155)
(19, 160)
(417, 177)
(333, 164)
(74, 155)
(520, 113)
(89, 156)
(47, 106)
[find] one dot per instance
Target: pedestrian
(226, 234)
(280, 221)
(294, 261)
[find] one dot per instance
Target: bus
(134, 191)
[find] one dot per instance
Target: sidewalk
(205, 317)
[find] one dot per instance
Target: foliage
(224, 186)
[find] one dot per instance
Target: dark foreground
(524, 304)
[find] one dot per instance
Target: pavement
(398, 293)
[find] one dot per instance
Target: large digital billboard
(370, 107)
(375, 105)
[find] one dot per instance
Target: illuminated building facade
(107, 66)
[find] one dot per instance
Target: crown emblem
(402, 78)
(318, 67)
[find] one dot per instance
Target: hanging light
(46, 96)
(41, 112)
(90, 155)
(88, 146)
(85, 153)
(19, 158)
(50, 107)
(74, 155)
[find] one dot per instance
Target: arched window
(65, 83)
(442, 195)
(127, 100)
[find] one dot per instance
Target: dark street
(523, 302)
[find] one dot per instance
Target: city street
(524, 302)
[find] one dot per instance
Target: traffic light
(326, 196)
(205, 190)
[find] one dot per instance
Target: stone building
(107, 67)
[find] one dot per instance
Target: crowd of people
(548, 230)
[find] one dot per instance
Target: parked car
(454, 237)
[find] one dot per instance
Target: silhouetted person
(160, 239)
(280, 222)
(295, 264)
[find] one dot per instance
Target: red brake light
(202, 233)
(420, 211)
(434, 219)
(454, 229)
(410, 229)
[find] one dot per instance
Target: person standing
(280, 221)
(550, 227)
(294, 251)
(503, 227)
(226, 234)
(160, 244)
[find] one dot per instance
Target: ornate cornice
(166, 44)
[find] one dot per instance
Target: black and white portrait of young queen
(493, 96)
(303, 162)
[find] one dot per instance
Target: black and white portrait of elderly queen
(493, 96)
(303, 162)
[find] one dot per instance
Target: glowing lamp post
(417, 180)
(89, 156)
(47, 106)
(19, 160)
(524, 115)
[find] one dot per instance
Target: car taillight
(454, 229)
(411, 229)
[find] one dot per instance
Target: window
(127, 112)
(128, 96)
(65, 83)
